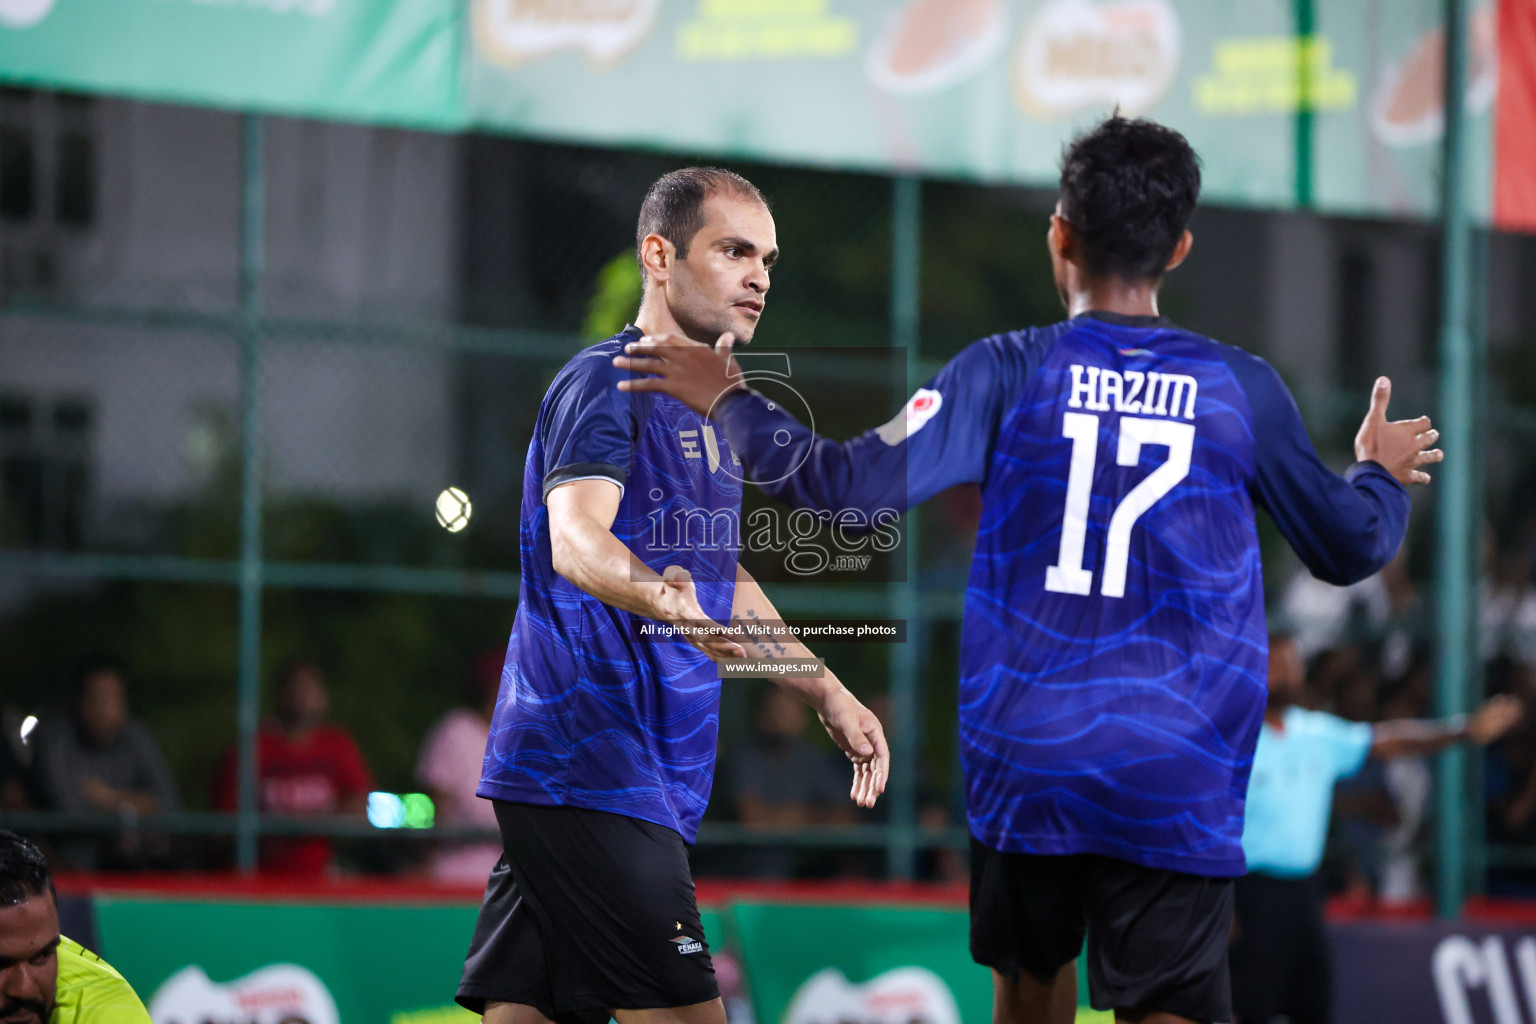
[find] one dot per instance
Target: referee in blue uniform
(1281, 957)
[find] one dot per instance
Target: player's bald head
(674, 204)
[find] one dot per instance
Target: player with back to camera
(46, 978)
(602, 743)
(1112, 665)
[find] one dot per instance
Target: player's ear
(1181, 250)
(657, 254)
(1058, 237)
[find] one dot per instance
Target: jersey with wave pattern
(1114, 651)
(1114, 709)
(596, 709)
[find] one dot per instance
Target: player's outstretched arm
(942, 437)
(1407, 737)
(1344, 527)
(852, 726)
(584, 550)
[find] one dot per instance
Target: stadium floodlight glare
(385, 810)
(401, 810)
(27, 725)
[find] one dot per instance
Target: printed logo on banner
(1078, 53)
(276, 994)
(517, 32)
(1463, 966)
(895, 997)
(1408, 106)
(23, 13)
(934, 44)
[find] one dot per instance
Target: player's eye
(732, 251)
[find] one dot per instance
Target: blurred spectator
(449, 769)
(783, 781)
(1280, 954)
(98, 760)
(305, 768)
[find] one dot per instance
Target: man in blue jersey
(1113, 655)
(602, 744)
(1281, 960)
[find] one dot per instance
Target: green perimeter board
(383, 964)
(784, 944)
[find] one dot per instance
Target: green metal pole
(1305, 21)
(901, 848)
(1456, 601)
(252, 254)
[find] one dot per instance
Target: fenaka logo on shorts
(924, 404)
(687, 944)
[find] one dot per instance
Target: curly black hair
(1128, 188)
(23, 871)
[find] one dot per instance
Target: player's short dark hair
(23, 870)
(1128, 188)
(674, 205)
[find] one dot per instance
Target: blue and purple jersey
(1114, 649)
(600, 708)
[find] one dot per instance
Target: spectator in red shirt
(305, 768)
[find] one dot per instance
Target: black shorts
(1281, 957)
(587, 912)
(1157, 940)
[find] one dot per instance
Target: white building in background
(116, 205)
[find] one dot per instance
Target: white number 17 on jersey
(1068, 576)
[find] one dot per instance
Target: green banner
(357, 60)
(1334, 106)
(1337, 109)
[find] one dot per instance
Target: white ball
(453, 509)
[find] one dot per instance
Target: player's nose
(757, 278)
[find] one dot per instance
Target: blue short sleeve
(588, 426)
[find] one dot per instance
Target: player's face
(723, 283)
(29, 960)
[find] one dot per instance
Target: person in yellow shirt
(46, 978)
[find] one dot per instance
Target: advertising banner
(1343, 113)
(1332, 106)
(820, 964)
(220, 961)
(1455, 973)
(360, 60)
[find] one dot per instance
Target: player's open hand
(1494, 719)
(1403, 446)
(693, 373)
(857, 732)
(679, 605)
